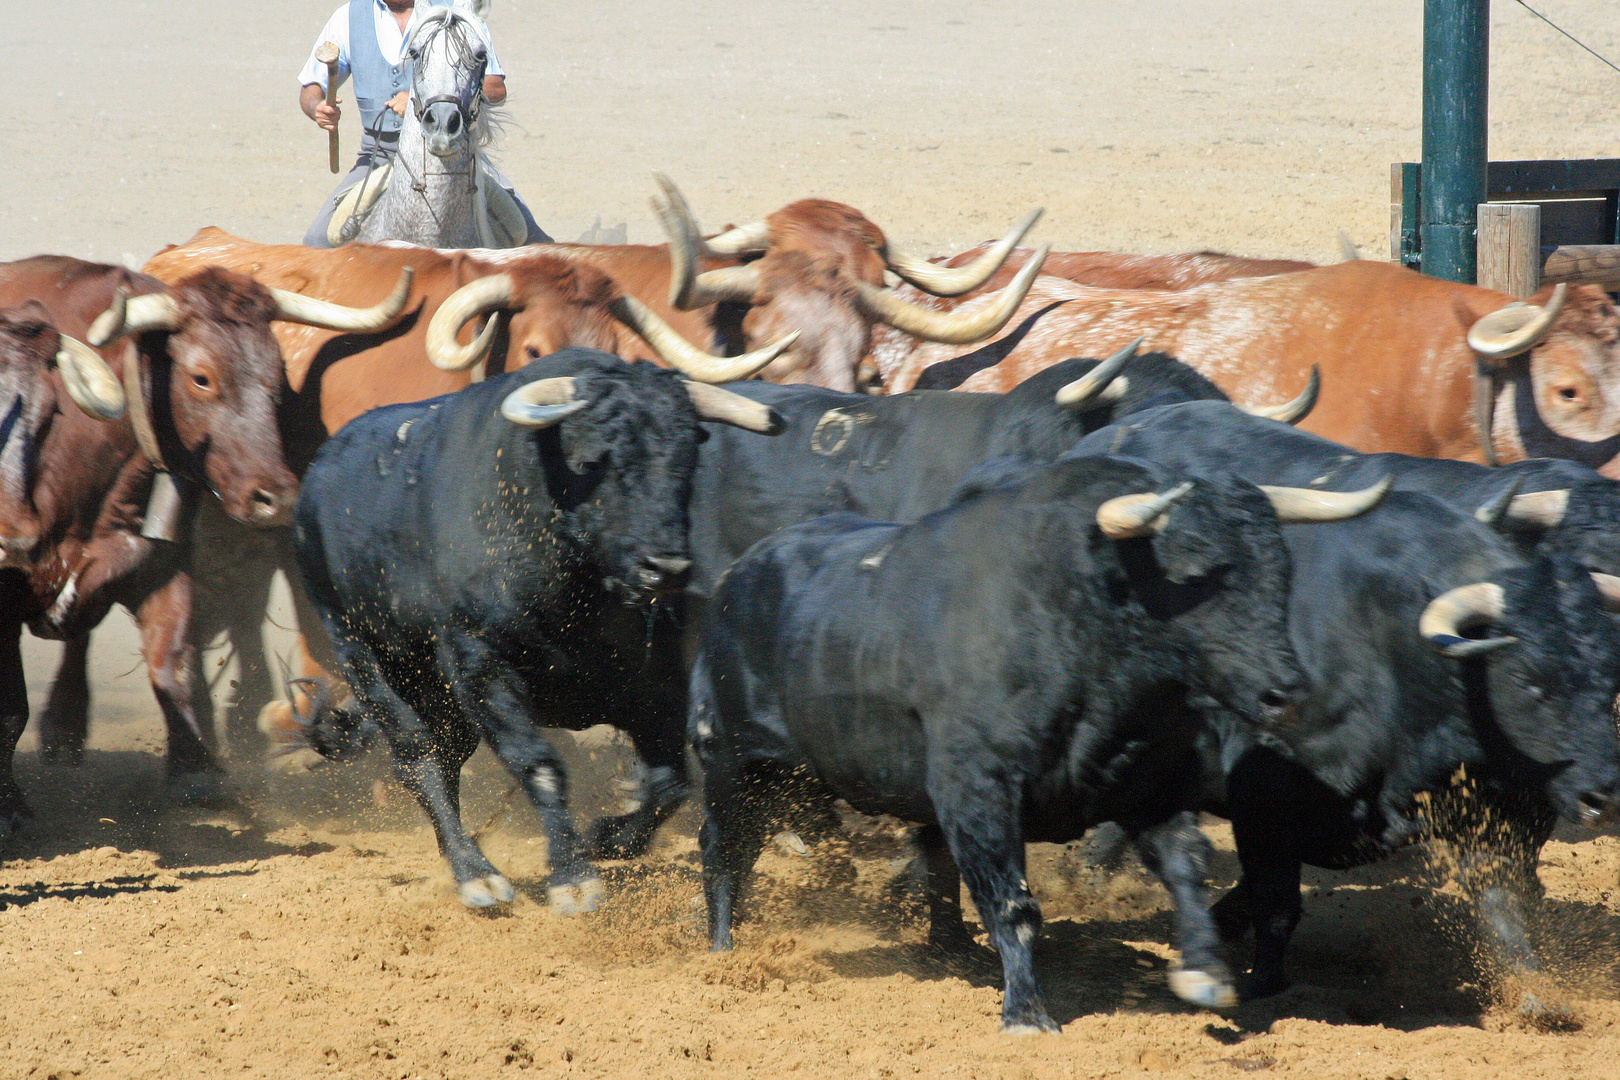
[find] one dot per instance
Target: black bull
(1000, 671)
(1525, 716)
(482, 578)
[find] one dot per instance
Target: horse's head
(448, 54)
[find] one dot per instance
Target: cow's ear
(1467, 312)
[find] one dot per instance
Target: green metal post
(1456, 66)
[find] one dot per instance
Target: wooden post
(1510, 248)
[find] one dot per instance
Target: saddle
(502, 225)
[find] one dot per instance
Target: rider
(370, 36)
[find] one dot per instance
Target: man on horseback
(371, 36)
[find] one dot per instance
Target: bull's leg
(1178, 852)
(663, 752)
(14, 812)
(164, 616)
(980, 817)
(946, 930)
(1269, 895)
(64, 723)
(500, 707)
(734, 826)
(1502, 882)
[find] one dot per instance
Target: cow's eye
(203, 382)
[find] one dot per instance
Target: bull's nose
(269, 508)
(663, 571)
(14, 549)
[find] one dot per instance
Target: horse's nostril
(454, 123)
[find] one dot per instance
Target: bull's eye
(203, 382)
(1569, 393)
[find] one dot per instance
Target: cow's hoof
(13, 819)
(576, 897)
(486, 892)
(1206, 989)
(200, 787)
(952, 941)
(1546, 1012)
(623, 837)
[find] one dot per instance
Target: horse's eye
(481, 56)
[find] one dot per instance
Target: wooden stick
(328, 54)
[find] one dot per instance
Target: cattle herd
(1027, 545)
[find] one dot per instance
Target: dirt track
(322, 937)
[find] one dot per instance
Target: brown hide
(1113, 270)
(1396, 367)
(335, 376)
(28, 345)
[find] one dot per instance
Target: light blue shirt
(390, 40)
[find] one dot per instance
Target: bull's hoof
(486, 892)
(948, 940)
(1206, 989)
(1030, 1022)
(14, 817)
(623, 837)
(1547, 1012)
(200, 787)
(1263, 985)
(576, 897)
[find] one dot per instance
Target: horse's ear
(479, 8)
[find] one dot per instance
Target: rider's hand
(398, 102)
(327, 115)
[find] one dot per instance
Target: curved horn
(1125, 516)
(542, 403)
(724, 407)
(954, 327)
(1545, 509)
(742, 240)
(687, 358)
(1516, 328)
(956, 280)
(1609, 589)
(133, 315)
(1296, 506)
(90, 380)
(1456, 610)
(491, 293)
(1087, 391)
(1298, 409)
(293, 307)
(1494, 510)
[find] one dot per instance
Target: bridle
(466, 53)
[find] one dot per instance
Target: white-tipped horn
(741, 240)
(1293, 412)
(687, 358)
(1088, 390)
(1609, 589)
(1545, 509)
(295, 307)
(1296, 506)
(1125, 516)
(1516, 328)
(90, 380)
(488, 294)
(1455, 611)
(542, 403)
(724, 407)
(128, 315)
(956, 280)
(954, 327)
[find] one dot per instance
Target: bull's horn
(1298, 505)
(1125, 516)
(1493, 510)
(1294, 411)
(90, 381)
(542, 403)
(954, 327)
(486, 294)
(1545, 509)
(687, 288)
(1516, 328)
(1456, 610)
(1088, 390)
(687, 358)
(742, 240)
(294, 307)
(724, 407)
(133, 315)
(1608, 588)
(956, 280)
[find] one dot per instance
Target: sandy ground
(318, 935)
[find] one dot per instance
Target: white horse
(440, 191)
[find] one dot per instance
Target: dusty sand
(320, 937)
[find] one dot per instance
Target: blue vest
(375, 79)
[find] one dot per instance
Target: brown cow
(201, 376)
(1398, 353)
(1115, 270)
